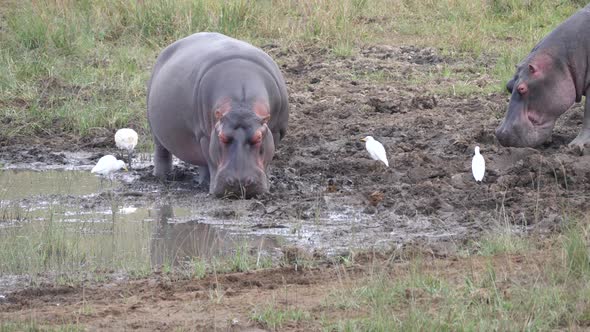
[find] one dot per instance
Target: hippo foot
(581, 141)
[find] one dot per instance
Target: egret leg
(129, 158)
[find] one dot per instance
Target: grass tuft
(576, 249)
(275, 318)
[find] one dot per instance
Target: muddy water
(94, 226)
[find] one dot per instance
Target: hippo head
(241, 148)
(542, 89)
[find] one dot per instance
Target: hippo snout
(523, 135)
(242, 187)
(503, 135)
(511, 136)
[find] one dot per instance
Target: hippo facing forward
(219, 103)
(547, 82)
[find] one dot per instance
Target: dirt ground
(427, 195)
(228, 302)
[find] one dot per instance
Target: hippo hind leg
(583, 139)
(162, 160)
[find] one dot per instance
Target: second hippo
(547, 83)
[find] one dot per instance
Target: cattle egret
(478, 165)
(126, 139)
(107, 165)
(375, 149)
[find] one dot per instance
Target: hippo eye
(224, 139)
(256, 138)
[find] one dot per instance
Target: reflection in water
(173, 243)
(43, 210)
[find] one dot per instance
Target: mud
(329, 198)
(322, 174)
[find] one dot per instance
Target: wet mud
(324, 185)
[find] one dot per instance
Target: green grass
(547, 289)
(80, 67)
(32, 326)
(274, 318)
(503, 242)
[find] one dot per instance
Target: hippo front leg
(207, 173)
(204, 175)
(162, 160)
(583, 138)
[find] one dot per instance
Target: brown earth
(230, 302)
(427, 194)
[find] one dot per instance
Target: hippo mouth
(532, 132)
(538, 122)
(241, 191)
(229, 185)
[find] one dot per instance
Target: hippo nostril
(249, 181)
(231, 181)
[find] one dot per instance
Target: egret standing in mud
(126, 139)
(107, 165)
(478, 165)
(375, 149)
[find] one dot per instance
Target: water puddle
(72, 218)
(70, 221)
(17, 184)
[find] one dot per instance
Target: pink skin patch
(257, 137)
(261, 109)
(256, 140)
(222, 108)
(534, 118)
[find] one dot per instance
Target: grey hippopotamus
(221, 104)
(547, 83)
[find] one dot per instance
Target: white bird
(126, 139)
(375, 149)
(478, 165)
(108, 164)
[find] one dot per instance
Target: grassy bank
(80, 67)
(544, 288)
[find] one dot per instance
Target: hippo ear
(510, 85)
(533, 69)
(222, 109)
(261, 109)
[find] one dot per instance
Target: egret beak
(364, 139)
(125, 168)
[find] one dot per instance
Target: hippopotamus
(547, 82)
(219, 103)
